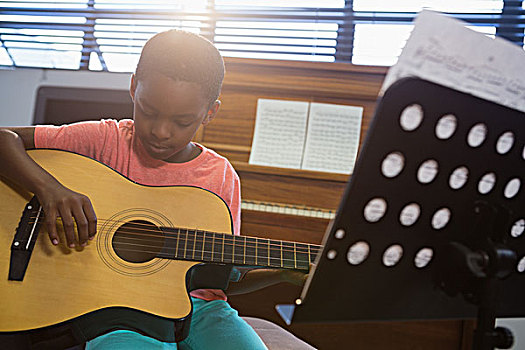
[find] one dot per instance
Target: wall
(18, 89)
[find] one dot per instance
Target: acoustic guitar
(137, 272)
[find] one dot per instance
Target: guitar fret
(228, 249)
(233, 250)
(250, 251)
(218, 249)
(222, 258)
(303, 256)
(314, 255)
(212, 246)
(239, 243)
(190, 245)
(194, 244)
(294, 255)
(281, 254)
(207, 247)
(203, 242)
(177, 245)
(275, 255)
(181, 252)
(288, 257)
(269, 253)
(185, 244)
(262, 248)
(309, 254)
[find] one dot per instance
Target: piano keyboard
(288, 209)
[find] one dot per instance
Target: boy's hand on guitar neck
(294, 277)
(73, 208)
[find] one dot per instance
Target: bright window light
(46, 58)
(42, 19)
(276, 56)
(451, 6)
(94, 62)
(282, 3)
(379, 44)
(151, 5)
(121, 62)
(60, 4)
(5, 60)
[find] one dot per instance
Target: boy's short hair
(183, 56)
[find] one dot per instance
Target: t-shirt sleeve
(86, 138)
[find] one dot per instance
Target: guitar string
(157, 229)
(235, 245)
(202, 252)
(228, 238)
(230, 256)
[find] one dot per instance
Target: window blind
(109, 34)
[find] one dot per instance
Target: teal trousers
(214, 325)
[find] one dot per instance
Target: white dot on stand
(505, 142)
(518, 228)
(375, 209)
(458, 178)
(358, 253)
(446, 126)
(339, 234)
(477, 135)
(392, 255)
(441, 218)
(411, 117)
(512, 188)
(392, 164)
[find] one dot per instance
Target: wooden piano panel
(286, 227)
(291, 190)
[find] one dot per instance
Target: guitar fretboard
(238, 250)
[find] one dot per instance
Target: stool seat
(275, 337)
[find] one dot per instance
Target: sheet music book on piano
(309, 136)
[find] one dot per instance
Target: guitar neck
(223, 248)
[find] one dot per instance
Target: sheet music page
(332, 138)
(442, 50)
(280, 128)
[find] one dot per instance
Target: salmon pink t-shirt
(115, 144)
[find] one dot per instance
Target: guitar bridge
(24, 240)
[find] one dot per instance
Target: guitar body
(63, 284)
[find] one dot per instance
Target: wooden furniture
(268, 189)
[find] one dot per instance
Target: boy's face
(167, 115)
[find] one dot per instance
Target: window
(109, 34)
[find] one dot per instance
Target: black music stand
(431, 225)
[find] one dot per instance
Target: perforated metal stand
(431, 225)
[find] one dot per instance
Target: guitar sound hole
(138, 241)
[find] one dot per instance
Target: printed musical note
(443, 50)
